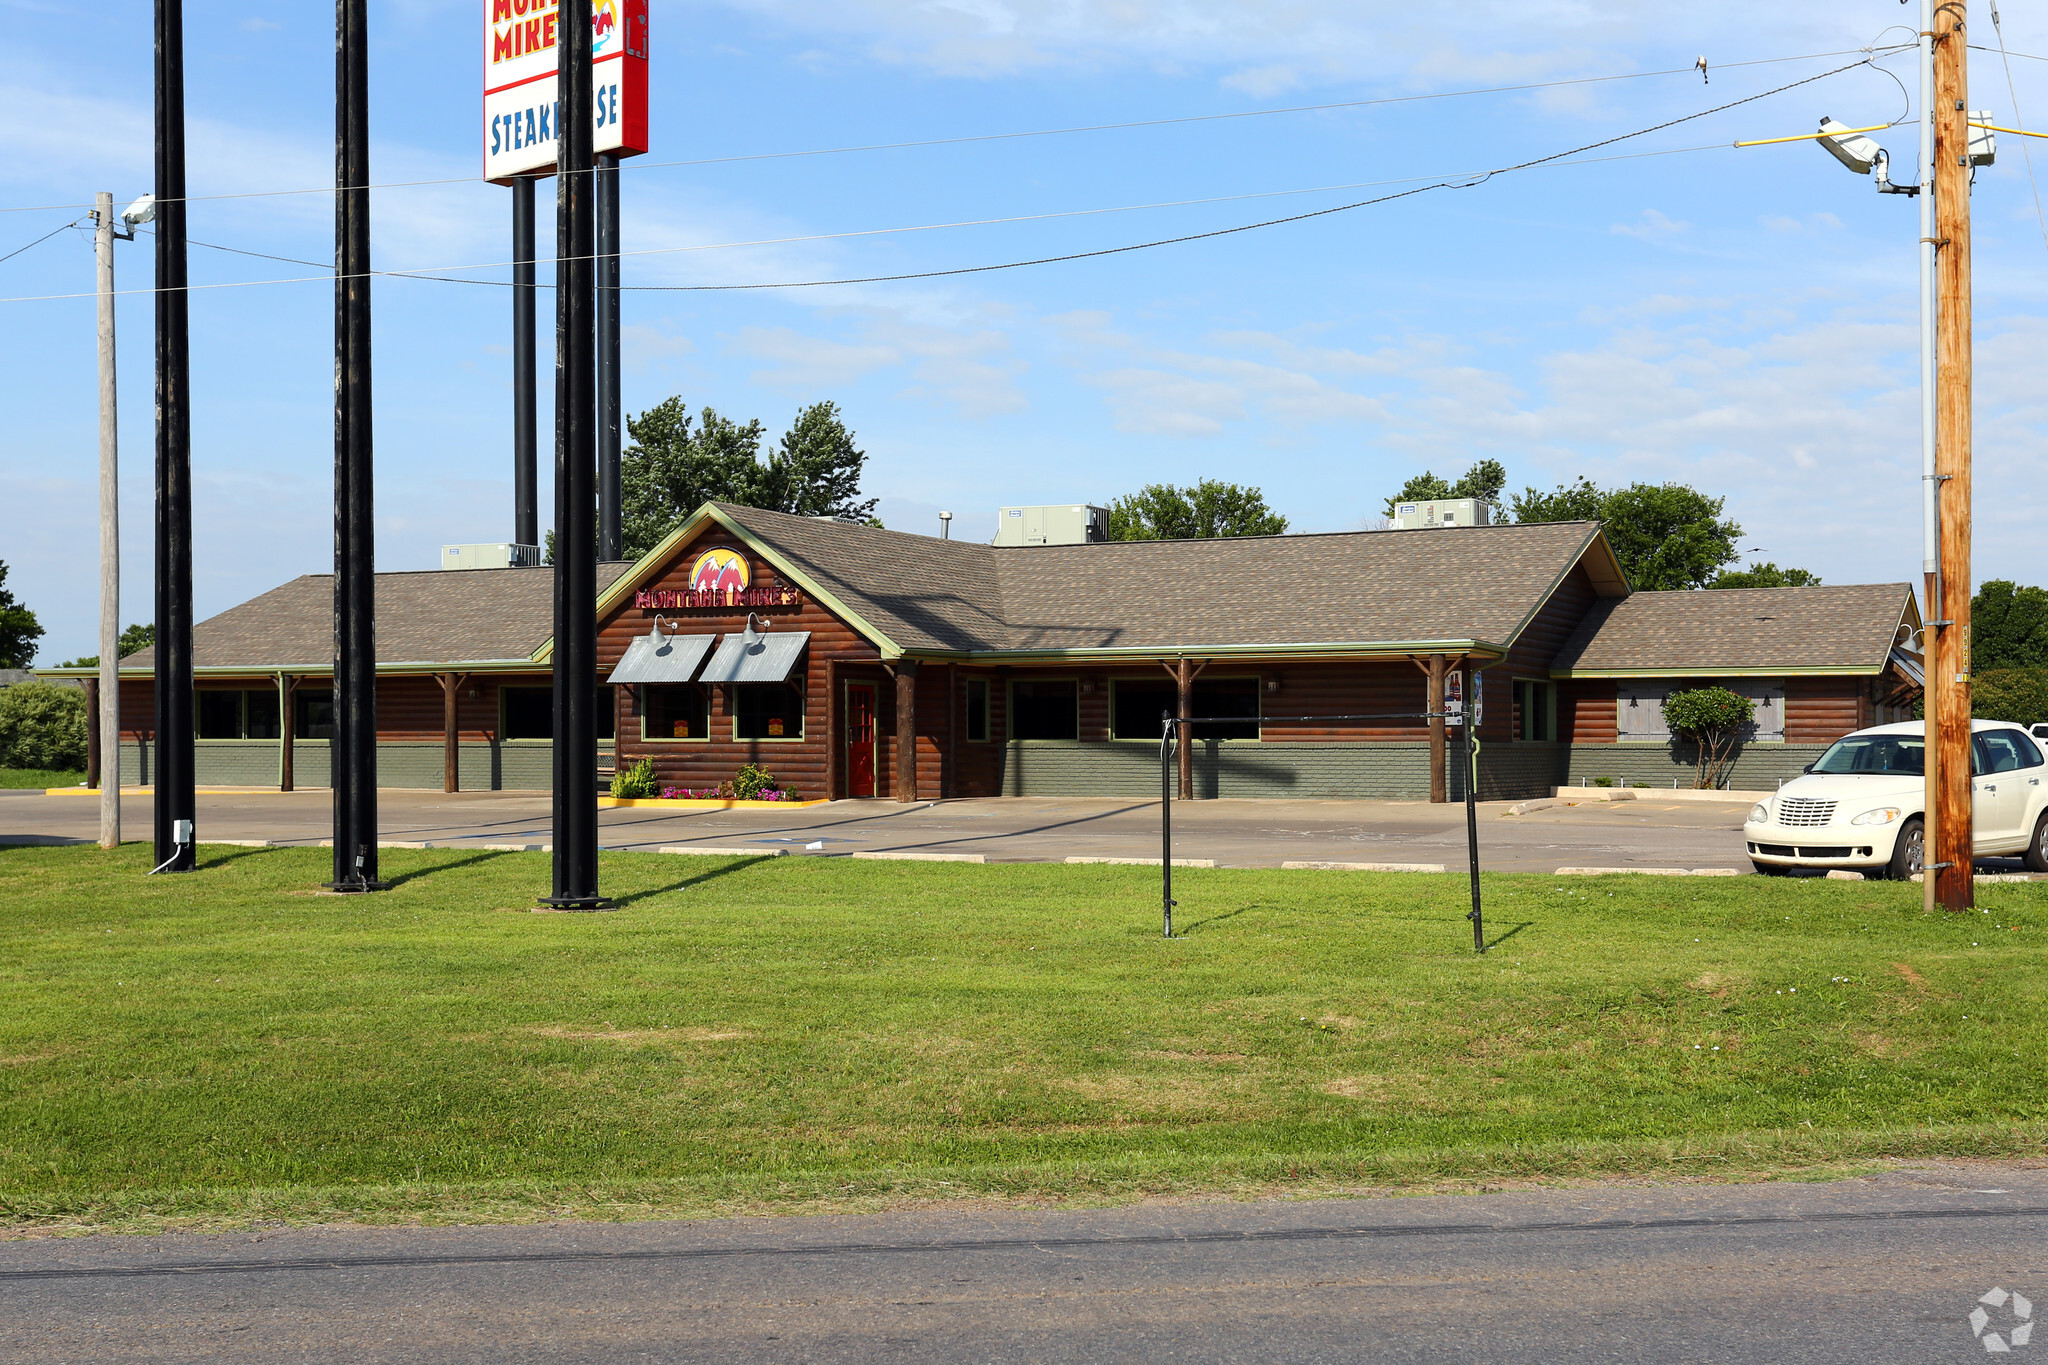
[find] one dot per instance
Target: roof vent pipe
(945, 526)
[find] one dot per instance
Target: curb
(1362, 867)
(1647, 872)
(1144, 862)
(924, 857)
(724, 852)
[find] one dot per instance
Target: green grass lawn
(807, 1033)
(39, 777)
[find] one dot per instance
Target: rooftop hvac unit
(1424, 516)
(1066, 524)
(502, 556)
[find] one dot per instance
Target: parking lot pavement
(1641, 833)
(1913, 1265)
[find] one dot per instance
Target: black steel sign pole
(175, 801)
(354, 747)
(1166, 742)
(575, 796)
(525, 472)
(610, 545)
(1471, 727)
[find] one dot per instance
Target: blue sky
(1740, 320)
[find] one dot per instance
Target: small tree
(1712, 718)
(42, 726)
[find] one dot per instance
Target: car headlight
(1759, 814)
(1882, 816)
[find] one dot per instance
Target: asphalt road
(1646, 833)
(1875, 1270)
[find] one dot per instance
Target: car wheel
(2037, 849)
(1909, 854)
(1771, 869)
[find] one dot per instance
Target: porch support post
(451, 731)
(1439, 792)
(287, 729)
(906, 729)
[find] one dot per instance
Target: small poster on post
(1454, 698)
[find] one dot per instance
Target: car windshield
(1900, 754)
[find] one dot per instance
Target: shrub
(42, 726)
(1712, 718)
(751, 781)
(636, 783)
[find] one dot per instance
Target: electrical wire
(2019, 122)
(1469, 180)
(40, 240)
(636, 164)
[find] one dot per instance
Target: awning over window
(662, 659)
(764, 658)
(1911, 666)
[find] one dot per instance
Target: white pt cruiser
(1862, 805)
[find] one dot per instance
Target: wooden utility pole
(106, 701)
(1949, 852)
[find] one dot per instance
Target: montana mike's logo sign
(522, 114)
(718, 578)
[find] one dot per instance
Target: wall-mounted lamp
(1087, 687)
(1273, 683)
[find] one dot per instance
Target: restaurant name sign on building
(719, 578)
(521, 114)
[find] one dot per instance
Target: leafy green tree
(2019, 695)
(678, 463)
(1712, 718)
(1667, 536)
(1210, 510)
(1483, 481)
(1580, 501)
(1765, 575)
(2008, 628)
(42, 726)
(19, 629)
(136, 637)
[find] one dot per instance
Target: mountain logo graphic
(719, 571)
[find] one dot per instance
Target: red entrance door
(860, 739)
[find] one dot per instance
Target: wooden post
(93, 768)
(1439, 789)
(451, 731)
(949, 781)
(287, 729)
(906, 729)
(1950, 852)
(1184, 674)
(835, 732)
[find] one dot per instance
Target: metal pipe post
(355, 648)
(525, 470)
(1167, 726)
(610, 544)
(109, 698)
(1470, 728)
(175, 802)
(575, 795)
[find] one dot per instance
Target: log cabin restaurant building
(852, 661)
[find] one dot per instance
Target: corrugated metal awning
(1911, 665)
(750, 658)
(662, 659)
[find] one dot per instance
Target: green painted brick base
(524, 765)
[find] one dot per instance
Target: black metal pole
(1471, 728)
(354, 747)
(575, 795)
(610, 545)
(525, 473)
(176, 804)
(1166, 753)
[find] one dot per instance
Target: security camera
(142, 210)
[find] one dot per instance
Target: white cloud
(1263, 82)
(1651, 226)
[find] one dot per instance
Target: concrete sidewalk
(1645, 832)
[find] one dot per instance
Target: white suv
(1862, 805)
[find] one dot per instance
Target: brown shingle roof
(1349, 588)
(434, 616)
(1747, 628)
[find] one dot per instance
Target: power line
(40, 240)
(2025, 152)
(636, 164)
(1469, 180)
